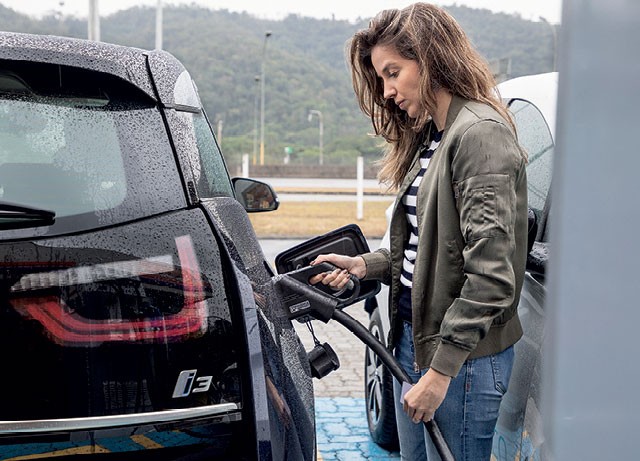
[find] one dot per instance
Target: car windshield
(534, 135)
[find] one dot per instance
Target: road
(321, 183)
(286, 197)
(326, 190)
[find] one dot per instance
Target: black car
(137, 317)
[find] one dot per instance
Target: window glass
(58, 154)
(86, 145)
(535, 137)
(214, 179)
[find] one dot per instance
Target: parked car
(532, 101)
(136, 315)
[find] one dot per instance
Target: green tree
(305, 69)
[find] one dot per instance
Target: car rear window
(77, 142)
(60, 155)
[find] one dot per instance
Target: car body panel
(288, 384)
(519, 431)
(172, 81)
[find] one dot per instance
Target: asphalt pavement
(321, 183)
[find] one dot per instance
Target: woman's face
(401, 78)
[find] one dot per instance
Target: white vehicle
(532, 101)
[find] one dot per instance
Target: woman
(458, 232)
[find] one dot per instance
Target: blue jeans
(468, 415)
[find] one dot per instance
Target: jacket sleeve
(378, 265)
(486, 166)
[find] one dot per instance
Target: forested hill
(305, 68)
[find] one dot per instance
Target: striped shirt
(409, 201)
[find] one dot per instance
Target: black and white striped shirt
(409, 202)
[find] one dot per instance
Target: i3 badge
(189, 383)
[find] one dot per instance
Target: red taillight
(66, 326)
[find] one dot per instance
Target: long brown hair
(430, 36)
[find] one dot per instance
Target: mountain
(305, 68)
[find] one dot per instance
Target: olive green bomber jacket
(472, 221)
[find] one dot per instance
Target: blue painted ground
(342, 433)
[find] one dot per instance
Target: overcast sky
(277, 9)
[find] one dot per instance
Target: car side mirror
(347, 240)
(254, 195)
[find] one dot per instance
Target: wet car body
(519, 434)
(138, 318)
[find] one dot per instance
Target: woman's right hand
(338, 278)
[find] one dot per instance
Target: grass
(309, 219)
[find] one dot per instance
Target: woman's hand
(426, 396)
(347, 266)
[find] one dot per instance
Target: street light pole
(219, 136)
(93, 24)
(264, 52)
(313, 112)
(255, 121)
(159, 25)
(554, 32)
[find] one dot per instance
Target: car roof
(541, 90)
(156, 72)
(127, 63)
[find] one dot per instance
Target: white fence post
(245, 165)
(360, 188)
